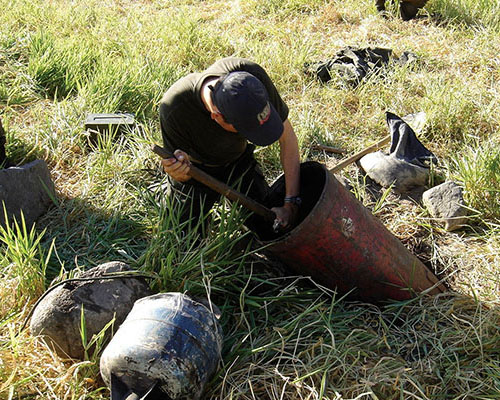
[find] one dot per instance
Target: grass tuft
(24, 258)
(477, 167)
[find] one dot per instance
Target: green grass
(477, 14)
(284, 336)
(478, 168)
(25, 258)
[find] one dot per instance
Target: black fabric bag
(405, 144)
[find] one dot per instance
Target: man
(214, 119)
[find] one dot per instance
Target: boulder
(57, 316)
(28, 188)
(445, 203)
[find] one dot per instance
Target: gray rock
(28, 189)
(388, 169)
(445, 202)
(57, 316)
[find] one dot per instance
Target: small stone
(57, 316)
(28, 189)
(445, 202)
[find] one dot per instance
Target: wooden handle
(328, 149)
(349, 160)
(221, 188)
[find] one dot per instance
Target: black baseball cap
(244, 102)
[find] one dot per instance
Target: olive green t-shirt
(186, 124)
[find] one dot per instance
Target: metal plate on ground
(105, 122)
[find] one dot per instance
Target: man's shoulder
(181, 89)
(231, 64)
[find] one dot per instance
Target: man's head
(243, 101)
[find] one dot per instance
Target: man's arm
(290, 160)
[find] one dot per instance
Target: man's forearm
(290, 159)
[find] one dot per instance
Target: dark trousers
(2, 145)
(244, 175)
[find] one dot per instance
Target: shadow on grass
(86, 236)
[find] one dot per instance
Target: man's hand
(286, 215)
(178, 166)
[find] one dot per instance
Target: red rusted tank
(343, 246)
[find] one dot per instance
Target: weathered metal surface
(106, 122)
(168, 340)
(343, 246)
(113, 124)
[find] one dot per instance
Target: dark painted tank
(343, 246)
(167, 348)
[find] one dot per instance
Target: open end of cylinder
(312, 182)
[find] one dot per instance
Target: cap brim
(264, 134)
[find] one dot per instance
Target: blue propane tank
(169, 344)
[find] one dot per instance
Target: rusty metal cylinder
(343, 246)
(168, 347)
